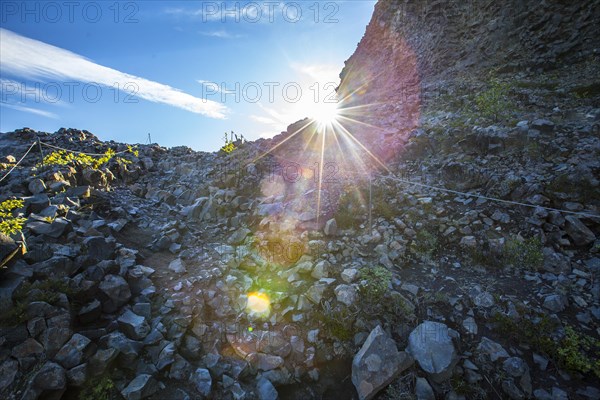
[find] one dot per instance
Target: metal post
(370, 207)
(41, 151)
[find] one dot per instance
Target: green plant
(338, 321)
(527, 254)
(48, 291)
(579, 352)
(425, 243)
(98, 389)
(493, 103)
(62, 157)
(9, 224)
(375, 282)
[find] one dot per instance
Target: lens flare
(258, 304)
(325, 114)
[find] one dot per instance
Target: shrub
(9, 224)
(98, 389)
(493, 103)
(375, 282)
(426, 243)
(579, 352)
(338, 321)
(527, 254)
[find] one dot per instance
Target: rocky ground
(467, 267)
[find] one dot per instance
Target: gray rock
(346, 294)
(36, 186)
(321, 270)
(117, 290)
(177, 266)
(492, 349)
(267, 362)
(54, 229)
(72, 353)
(7, 246)
(377, 363)
(90, 312)
(49, 383)
(140, 387)
(203, 382)
(542, 125)
(330, 227)
(54, 338)
(239, 236)
(578, 232)
(77, 376)
(423, 390)
(266, 390)
(349, 275)
(555, 302)
(8, 371)
(98, 248)
(515, 366)
(133, 325)
(511, 390)
(432, 347)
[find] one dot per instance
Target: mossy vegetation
(525, 254)
(102, 388)
(9, 223)
(574, 352)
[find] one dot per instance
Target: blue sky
(185, 72)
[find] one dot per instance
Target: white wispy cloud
(35, 60)
(321, 73)
(221, 34)
(250, 12)
(31, 110)
(263, 120)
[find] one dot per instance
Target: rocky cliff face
(464, 263)
(409, 47)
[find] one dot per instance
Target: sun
(325, 114)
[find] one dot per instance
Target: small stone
(423, 390)
(492, 349)
(515, 366)
(36, 186)
(177, 266)
(266, 390)
(202, 381)
(140, 387)
(346, 294)
(133, 325)
(555, 302)
(578, 232)
(71, 354)
(330, 227)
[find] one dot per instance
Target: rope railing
(79, 152)
(18, 162)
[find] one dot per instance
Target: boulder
(578, 232)
(203, 382)
(140, 387)
(49, 383)
(377, 363)
(72, 353)
(346, 294)
(117, 292)
(266, 390)
(431, 345)
(133, 325)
